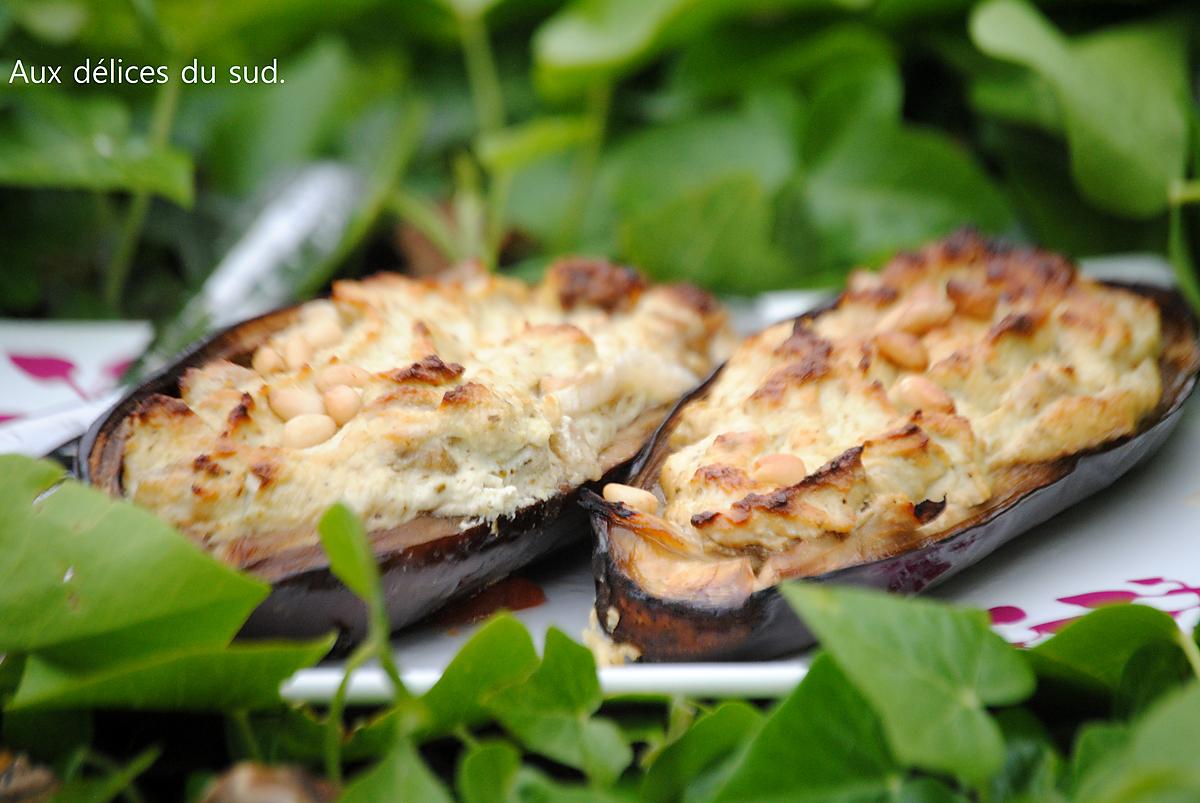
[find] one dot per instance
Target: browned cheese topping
(914, 403)
(471, 396)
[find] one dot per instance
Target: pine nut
(296, 352)
(921, 393)
(266, 360)
(342, 403)
(288, 403)
(630, 497)
(341, 374)
(323, 333)
(308, 430)
(904, 349)
(780, 470)
(972, 299)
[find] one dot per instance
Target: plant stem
(481, 72)
(427, 219)
(166, 101)
(241, 721)
(382, 646)
(497, 200)
(599, 100)
(333, 722)
(1184, 192)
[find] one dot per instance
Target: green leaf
(511, 149)
(717, 237)
(535, 787)
(550, 712)
(245, 676)
(401, 775)
(1036, 169)
(1158, 762)
(47, 735)
(1122, 93)
(500, 654)
(821, 743)
(49, 138)
(1095, 742)
(1156, 669)
(714, 737)
(873, 185)
(590, 42)
(1091, 653)
(642, 171)
(928, 669)
(345, 542)
(102, 790)
(86, 580)
(728, 61)
(487, 773)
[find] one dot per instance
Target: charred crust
(266, 471)
(839, 469)
(595, 282)
(810, 353)
(694, 298)
(240, 414)
(157, 404)
(701, 519)
(204, 464)
(878, 296)
(464, 395)
(428, 371)
(929, 509)
(804, 342)
(724, 476)
(1021, 324)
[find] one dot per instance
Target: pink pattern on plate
(1012, 615)
(47, 367)
(118, 369)
(8, 417)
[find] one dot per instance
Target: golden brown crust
(927, 393)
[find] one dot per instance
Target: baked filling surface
(928, 393)
(472, 396)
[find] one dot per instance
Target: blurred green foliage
(742, 144)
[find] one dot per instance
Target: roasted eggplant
(690, 549)
(463, 440)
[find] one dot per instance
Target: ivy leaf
(401, 775)
(245, 676)
(550, 713)
(1158, 762)
(500, 654)
(822, 742)
(929, 670)
(65, 575)
(51, 139)
(1123, 97)
(1091, 653)
(350, 556)
(714, 738)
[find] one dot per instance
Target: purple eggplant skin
(764, 626)
(424, 564)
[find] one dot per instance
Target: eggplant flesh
(424, 564)
(736, 623)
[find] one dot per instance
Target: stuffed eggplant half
(459, 417)
(933, 411)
